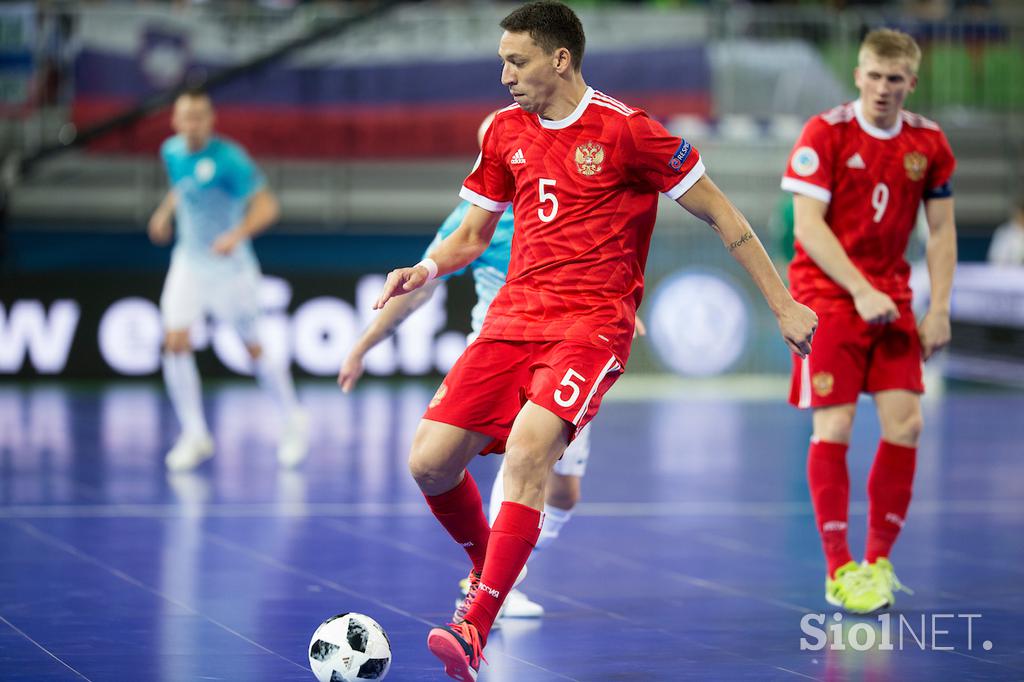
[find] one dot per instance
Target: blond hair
(887, 43)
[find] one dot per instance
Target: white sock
(554, 519)
(276, 380)
(182, 380)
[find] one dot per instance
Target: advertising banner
(93, 325)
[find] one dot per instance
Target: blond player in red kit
(859, 173)
(583, 172)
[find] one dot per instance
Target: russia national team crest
(915, 164)
(442, 390)
(823, 383)
(589, 158)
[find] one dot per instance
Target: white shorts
(228, 290)
(574, 459)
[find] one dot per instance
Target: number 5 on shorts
(574, 389)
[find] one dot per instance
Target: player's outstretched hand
(401, 281)
(934, 333)
(874, 307)
(160, 228)
(640, 329)
(350, 372)
(798, 323)
(226, 243)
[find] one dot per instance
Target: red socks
(461, 512)
(513, 537)
(889, 488)
(829, 482)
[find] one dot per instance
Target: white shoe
(294, 445)
(191, 450)
(518, 605)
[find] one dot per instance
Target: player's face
(527, 71)
(884, 85)
(193, 118)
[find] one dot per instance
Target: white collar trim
(571, 118)
(875, 131)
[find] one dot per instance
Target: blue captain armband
(943, 191)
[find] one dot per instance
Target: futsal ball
(349, 647)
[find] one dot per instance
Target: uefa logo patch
(679, 158)
(805, 162)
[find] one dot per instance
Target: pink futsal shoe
(459, 648)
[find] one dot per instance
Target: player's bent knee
(433, 473)
(906, 431)
(424, 469)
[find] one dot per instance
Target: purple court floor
(693, 555)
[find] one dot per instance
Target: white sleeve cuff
(483, 202)
(807, 189)
(688, 181)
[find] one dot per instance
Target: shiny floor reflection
(692, 557)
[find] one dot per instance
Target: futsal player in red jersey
(858, 173)
(583, 172)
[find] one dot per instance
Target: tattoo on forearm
(741, 241)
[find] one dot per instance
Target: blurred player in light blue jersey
(489, 271)
(219, 200)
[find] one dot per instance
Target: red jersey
(873, 181)
(584, 192)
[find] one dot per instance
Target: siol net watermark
(893, 632)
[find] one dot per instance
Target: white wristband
(431, 267)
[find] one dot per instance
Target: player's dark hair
(552, 25)
(195, 92)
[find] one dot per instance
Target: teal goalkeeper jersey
(213, 187)
(490, 269)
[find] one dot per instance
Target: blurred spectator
(54, 53)
(1007, 247)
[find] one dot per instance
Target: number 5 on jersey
(571, 386)
(545, 197)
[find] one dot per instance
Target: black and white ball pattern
(349, 647)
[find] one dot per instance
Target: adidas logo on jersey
(518, 158)
(855, 161)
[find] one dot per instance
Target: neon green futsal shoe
(854, 590)
(884, 578)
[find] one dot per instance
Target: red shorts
(850, 356)
(493, 379)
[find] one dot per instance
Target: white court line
(41, 647)
(695, 509)
(647, 387)
(48, 539)
(326, 582)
